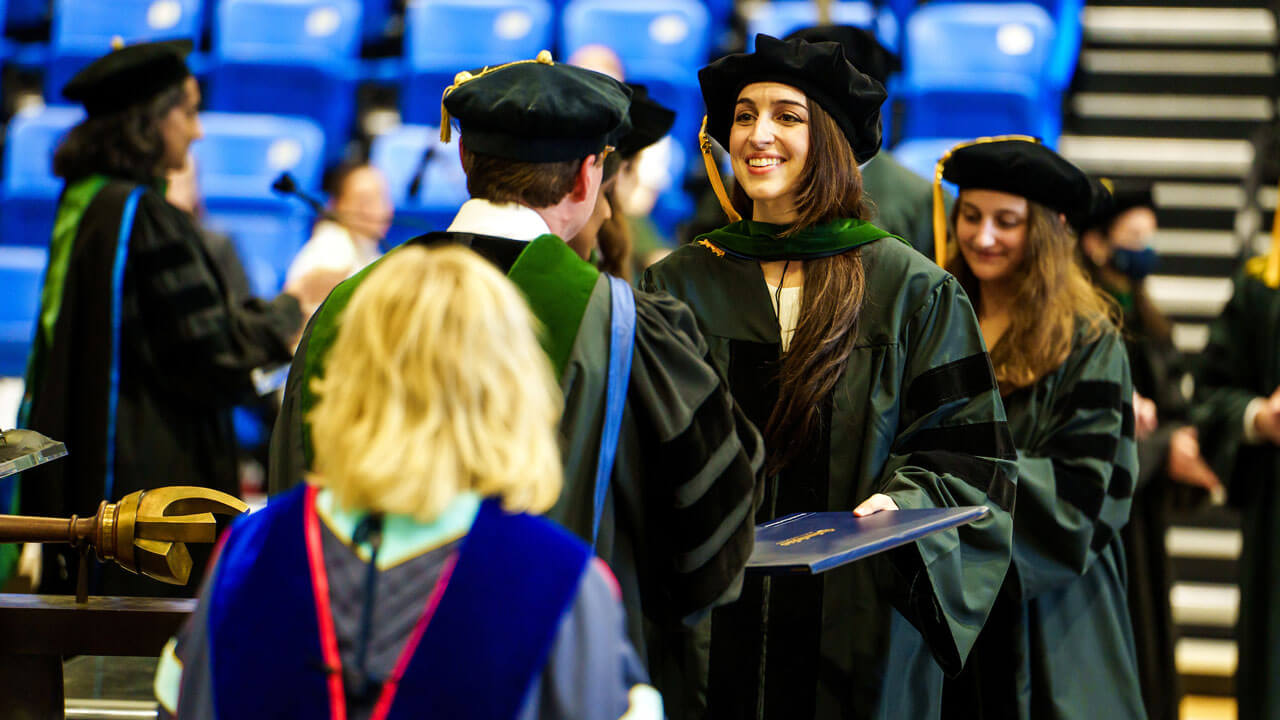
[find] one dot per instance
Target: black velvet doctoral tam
(1023, 168)
(818, 69)
(129, 76)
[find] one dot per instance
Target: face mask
(1136, 264)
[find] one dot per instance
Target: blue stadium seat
(83, 29)
(976, 69)
(29, 192)
(441, 190)
(20, 14)
(1065, 50)
(289, 57)
(443, 37)
(21, 276)
(661, 43)
(238, 159)
(784, 17)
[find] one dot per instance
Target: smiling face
(991, 230)
(769, 144)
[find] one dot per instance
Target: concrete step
(1201, 297)
(1169, 106)
(1180, 26)
(1205, 604)
(1159, 157)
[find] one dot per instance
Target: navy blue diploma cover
(815, 542)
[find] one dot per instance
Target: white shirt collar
(511, 221)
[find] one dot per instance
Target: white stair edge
(1189, 337)
(1202, 656)
(1109, 154)
(1205, 604)
(1207, 196)
(1177, 62)
(1178, 25)
(1208, 543)
(1196, 243)
(1173, 107)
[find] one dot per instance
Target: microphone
(287, 185)
(420, 172)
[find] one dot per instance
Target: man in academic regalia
(903, 200)
(1238, 386)
(140, 350)
(676, 525)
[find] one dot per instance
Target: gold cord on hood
(446, 132)
(713, 173)
(940, 207)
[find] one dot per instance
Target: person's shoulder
(891, 266)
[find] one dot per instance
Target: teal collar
(403, 538)
(761, 241)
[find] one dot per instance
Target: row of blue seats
(299, 56)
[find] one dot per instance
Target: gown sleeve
(592, 671)
(708, 456)
(952, 448)
(199, 341)
(1228, 378)
(1076, 477)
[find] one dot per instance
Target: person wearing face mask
(1058, 643)
(864, 364)
(660, 464)
(1171, 470)
(140, 352)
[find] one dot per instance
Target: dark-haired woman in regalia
(863, 363)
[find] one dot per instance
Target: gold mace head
(146, 532)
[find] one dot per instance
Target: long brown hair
(1054, 300)
(830, 188)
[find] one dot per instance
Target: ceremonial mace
(144, 532)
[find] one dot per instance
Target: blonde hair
(1055, 301)
(436, 385)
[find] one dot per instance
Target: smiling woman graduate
(1059, 643)
(863, 363)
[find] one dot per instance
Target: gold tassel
(940, 207)
(713, 173)
(1271, 275)
(446, 132)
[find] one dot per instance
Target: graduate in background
(674, 511)
(140, 351)
(1238, 415)
(903, 201)
(864, 363)
(399, 582)
(1059, 642)
(1172, 474)
(607, 235)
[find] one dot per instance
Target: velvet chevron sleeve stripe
(952, 448)
(708, 456)
(1077, 466)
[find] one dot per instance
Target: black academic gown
(915, 415)
(1059, 643)
(1157, 369)
(153, 407)
(677, 526)
(1242, 362)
